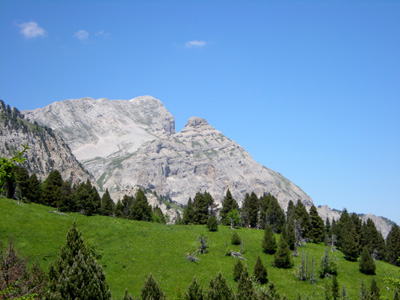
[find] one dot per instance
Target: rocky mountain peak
(196, 122)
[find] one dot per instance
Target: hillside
(130, 250)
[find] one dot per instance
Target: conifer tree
(302, 215)
(35, 189)
(152, 290)
(76, 274)
(260, 272)
(140, 209)
(335, 289)
(22, 177)
(188, 213)
(127, 296)
(195, 291)
(393, 246)
(52, 188)
(219, 289)
(275, 215)
(235, 239)
(250, 210)
(371, 238)
(228, 204)
(212, 223)
(328, 266)
(396, 295)
(282, 257)
(367, 264)
(237, 270)
(200, 209)
(65, 202)
(245, 287)
(290, 236)
(119, 210)
(269, 243)
(107, 204)
(290, 212)
(374, 291)
(350, 245)
(158, 216)
(317, 228)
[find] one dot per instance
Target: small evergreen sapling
(269, 242)
(195, 292)
(367, 264)
(212, 223)
(245, 287)
(219, 289)
(235, 239)
(283, 255)
(237, 270)
(260, 272)
(152, 290)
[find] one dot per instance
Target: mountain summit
(125, 143)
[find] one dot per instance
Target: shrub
(235, 239)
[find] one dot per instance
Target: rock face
(128, 143)
(47, 150)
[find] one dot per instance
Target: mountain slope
(47, 150)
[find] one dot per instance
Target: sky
(311, 89)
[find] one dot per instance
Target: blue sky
(310, 89)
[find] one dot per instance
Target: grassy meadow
(130, 250)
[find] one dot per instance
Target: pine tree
(235, 239)
(290, 212)
(245, 287)
(188, 213)
(290, 236)
(283, 255)
(302, 215)
(260, 272)
(393, 246)
(367, 264)
(35, 189)
(200, 209)
(275, 215)
(22, 177)
(219, 289)
(372, 239)
(119, 210)
(237, 270)
(65, 202)
(52, 188)
(335, 289)
(212, 223)
(195, 292)
(158, 216)
(250, 210)
(76, 274)
(350, 245)
(140, 209)
(317, 231)
(374, 291)
(328, 266)
(107, 204)
(269, 243)
(152, 290)
(228, 204)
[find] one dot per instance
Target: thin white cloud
(195, 43)
(102, 33)
(81, 35)
(31, 30)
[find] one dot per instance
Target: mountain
(125, 143)
(47, 150)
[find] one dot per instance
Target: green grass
(130, 250)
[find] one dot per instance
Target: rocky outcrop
(47, 150)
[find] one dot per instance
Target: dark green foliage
(52, 188)
(363, 292)
(260, 272)
(371, 238)
(301, 214)
(228, 204)
(335, 289)
(273, 214)
(35, 189)
(237, 270)
(396, 295)
(87, 199)
(22, 186)
(342, 227)
(367, 264)
(283, 255)
(219, 289)
(127, 202)
(393, 246)
(290, 236)
(201, 203)
(212, 223)
(245, 287)
(235, 239)
(152, 290)
(195, 291)
(76, 274)
(188, 213)
(119, 210)
(374, 291)
(140, 209)
(317, 229)
(290, 212)
(328, 266)
(269, 243)
(66, 200)
(107, 204)
(350, 245)
(250, 210)
(158, 216)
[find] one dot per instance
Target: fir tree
(245, 287)
(367, 264)
(65, 202)
(127, 296)
(350, 247)
(317, 231)
(237, 270)
(269, 243)
(290, 212)
(396, 295)
(22, 184)
(260, 272)
(35, 189)
(282, 257)
(52, 188)
(290, 236)
(274, 215)
(195, 292)
(188, 213)
(235, 240)
(302, 215)
(107, 204)
(372, 239)
(335, 289)
(152, 290)
(219, 289)
(374, 291)
(250, 210)
(140, 209)
(363, 292)
(76, 274)
(212, 223)
(228, 204)
(200, 209)
(393, 246)
(119, 210)
(158, 216)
